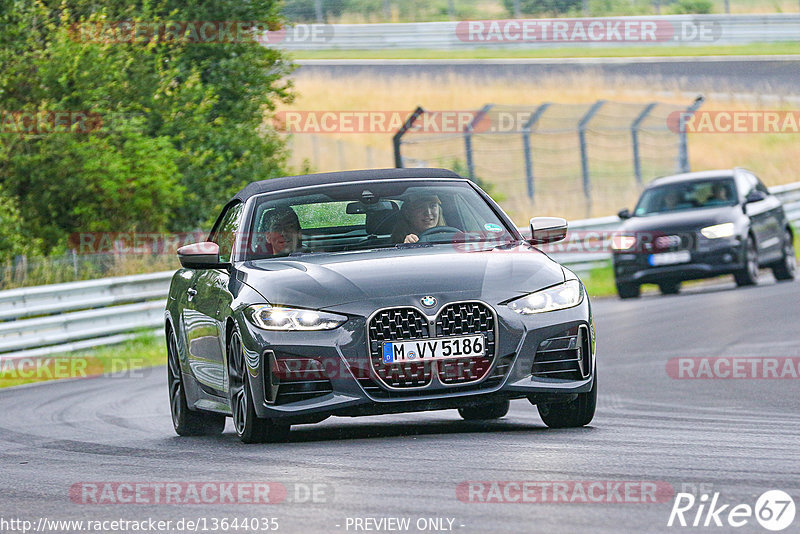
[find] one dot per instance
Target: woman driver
(419, 213)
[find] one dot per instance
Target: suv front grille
(406, 324)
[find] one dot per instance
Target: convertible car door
(208, 294)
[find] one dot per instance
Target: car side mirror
(624, 214)
(754, 196)
(547, 230)
(204, 255)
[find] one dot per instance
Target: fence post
(468, 129)
(683, 155)
(526, 143)
(396, 139)
(637, 162)
(584, 122)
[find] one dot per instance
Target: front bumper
(336, 375)
(708, 258)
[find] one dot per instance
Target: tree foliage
(180, 124)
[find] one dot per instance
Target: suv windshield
(368, 215)
(687, 196)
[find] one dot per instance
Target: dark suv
(699, 225)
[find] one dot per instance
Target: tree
(179, 124)
(542, 7)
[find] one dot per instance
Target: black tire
(577, 413)
(748, 276)
(487, 411)
(629, 291)
(669, 288)
(187, 422)
(785, 269)
(248, 426)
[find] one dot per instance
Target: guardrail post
(396, 139)
(526, 144)
(637, 162)
(683, 149)
(584, 122)
(468, 130)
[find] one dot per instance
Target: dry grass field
(773, 156)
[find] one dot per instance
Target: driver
(720, 192)
(419, 213)
(283, 230)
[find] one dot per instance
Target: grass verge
(755, 49)
(143, 351)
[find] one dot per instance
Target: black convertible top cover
(288, 182)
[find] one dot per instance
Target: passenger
(283, 230)
(419, 213)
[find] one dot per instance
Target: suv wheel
(786, 268)
(749, 275)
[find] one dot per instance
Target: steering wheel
(428, 234)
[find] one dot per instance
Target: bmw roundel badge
(428, 301)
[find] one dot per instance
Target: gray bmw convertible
(373, 292)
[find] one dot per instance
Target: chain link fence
(556, 157)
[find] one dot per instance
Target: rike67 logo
(774, 510)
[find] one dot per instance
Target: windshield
(687, 196)
(368, 215)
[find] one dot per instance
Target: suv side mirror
(624, 214)
(547, 230)
(755, 196)
(204, 255)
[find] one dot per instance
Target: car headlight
(622, 242)
(560, 297)
(286, 319)
(718, 230)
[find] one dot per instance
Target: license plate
(670, 258)
(433, 349)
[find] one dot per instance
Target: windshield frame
(240, 248)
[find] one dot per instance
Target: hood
(400, 276)
(687, 221)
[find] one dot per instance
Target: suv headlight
(286, 319)
(717, 231)
(560, 297)
(622, 242)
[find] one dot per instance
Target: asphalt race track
(766, 75)
(737, 437)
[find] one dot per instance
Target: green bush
(695, 7)
(193, 115)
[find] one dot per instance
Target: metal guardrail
(75, 316)
(671, 30)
